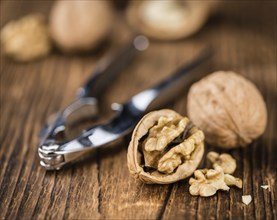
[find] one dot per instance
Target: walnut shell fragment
(246, 199)
(165, 148)
(265, 186)
(228, 108)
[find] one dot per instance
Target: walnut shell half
(165, 148)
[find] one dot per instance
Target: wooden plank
(100, 187)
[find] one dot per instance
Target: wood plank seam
(165, 202)
(99, 196)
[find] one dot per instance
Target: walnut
(169, 20)
(228, 108)
(80, 25)
(26, 39)
(165, 148)
(225, 161)
(208, 181)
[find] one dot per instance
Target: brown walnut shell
(136, 160)
(228, 108)
(77, 26)
(169, 20)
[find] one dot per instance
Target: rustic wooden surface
(244, 36)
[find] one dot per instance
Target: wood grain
(244, 37)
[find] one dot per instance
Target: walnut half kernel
(165, 148)
(225, 161)
(208, 181)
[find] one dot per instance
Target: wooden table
(244, 36)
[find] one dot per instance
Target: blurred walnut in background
(26, 39)
(80, 25)
(169, 20)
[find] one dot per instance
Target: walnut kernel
(232, 181)
(26, 39)
(165, 148)
(208, 181)
(173, 158)
(225, 161)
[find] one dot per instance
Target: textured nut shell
(228, 108)
(198, 14)
(134, 156)
(80, 25)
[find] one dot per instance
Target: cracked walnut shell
(165, 148)
(228, 108)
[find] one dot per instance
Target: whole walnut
(228, 108)
(80, 25)
(169, 20)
